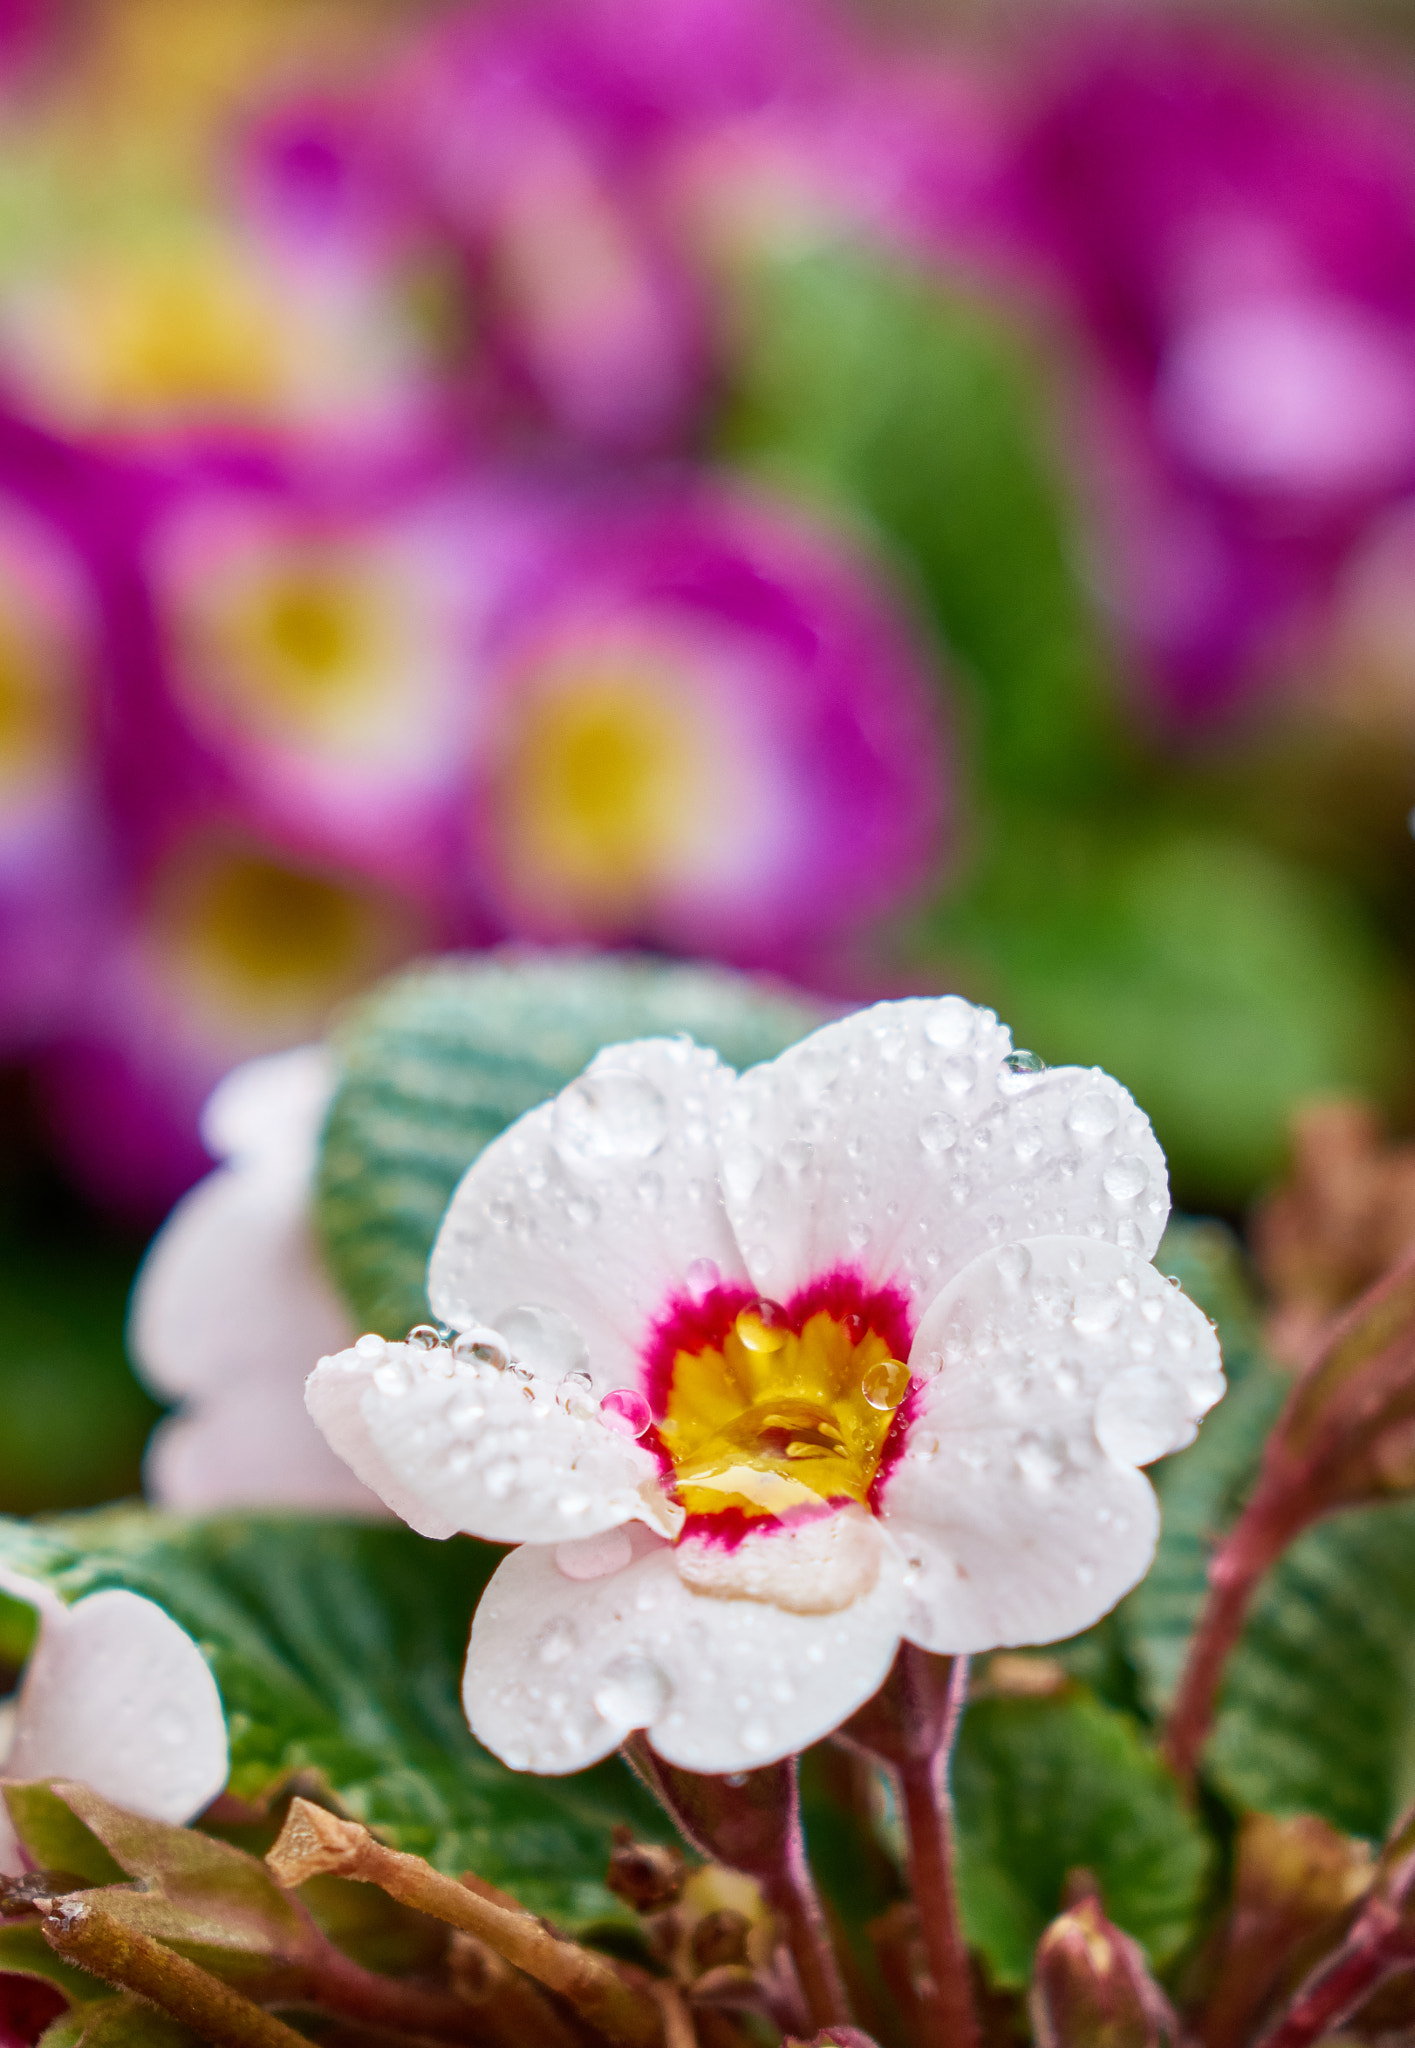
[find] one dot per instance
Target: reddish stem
(1256, 1540)
(911, 1725)
(1374, 1950)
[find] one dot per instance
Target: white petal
(1056, 1363)
(271, 1107)
(596, 1205)
(117, 1696)
(230, 1310)
(451, 1445)
(560, 1670)
(897, 1143)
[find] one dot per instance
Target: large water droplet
(577, 1397)
(625, 1411)
(391, 1380)
(959, 1075)
(594, 1557)
(608, 1116)
(1093, 1115)
(886, 1383)
(741, 1165)
(479, 1346)
(701, 1277)
(543, 1340)
(1094, 1314)
(1126, 1177)
(371, 1347)
(950, 1023)
(632, 1692)
(423, 1337)
(763, 1327)
(1024, 1063)
(1014, 1263)
(937, 1133)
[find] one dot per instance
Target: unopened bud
(644, 1874)
(1092, 1988)
(720, 1937)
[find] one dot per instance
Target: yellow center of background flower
(776, 1421)
(601, 790)
(36, 716)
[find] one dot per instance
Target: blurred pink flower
(542, 131)
(225, 948)
(1237, 231)
(51, 842)
(703, 726)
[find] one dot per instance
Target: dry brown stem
(314, 1842)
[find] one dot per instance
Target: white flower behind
(765, 1372)
(119, 1697)
(233, 1301)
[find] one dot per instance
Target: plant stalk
(910, 1726)
(314, 1842)
(1376, 1948)
(84, 1934)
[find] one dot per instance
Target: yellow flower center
(601, 789)
(266, 947)
(780, 1414)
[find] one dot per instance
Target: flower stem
(1376, 1948)
(1255, 1541)
(752, 1823)
(314, 1842)
(84, 1934)
(910, 1725)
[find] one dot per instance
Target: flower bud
(1092, 1988)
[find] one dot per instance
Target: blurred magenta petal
(1236, 228)
(705, 727)
(229, 948)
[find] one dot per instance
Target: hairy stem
(313, 1842)
(911, 1725)
(84, 1934)
(1376, 1948)
(1255, 1541)
(752, 1823)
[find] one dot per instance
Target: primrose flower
(765, 1372)
(682, 700)
(118, 1697)
(233, 947)
(1237, 231)
(233, 1299)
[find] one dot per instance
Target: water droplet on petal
(1094, 1314)
(796, 1156)
(1126, 1177)
(950, 1023)
(371, 1347)
(755, 1738)
(632, 1692)
(423, 1337)
(701, 1277)
(937, 1133)
(763, 1327)
(1129, 1236)
(1024, 1063)
(557, 1641)
(959, 1075)
(1093, 1115)
(885, 1384)
(594, 1557)
(741, 1165)
(607, 1116)
(1014, 1263)
(480, 1347)
(625, 1411)
(391, 1380)
(171, 1725)
(543, 1340)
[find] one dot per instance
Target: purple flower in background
(541, 133)
(1237, 231)
(702, 726)
(227, 947)
(302, 305)
(51, 841)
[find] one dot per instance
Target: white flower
(864, 1343)
(232, 1303)
(117, 1696)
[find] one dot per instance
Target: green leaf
(338, 1648)
(1219, 982)
(1318, 1706)
(25, 1953)
(55, 1836)
(441, 1059)
(1046, 1786)
(127, 2022)
(877, 387)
